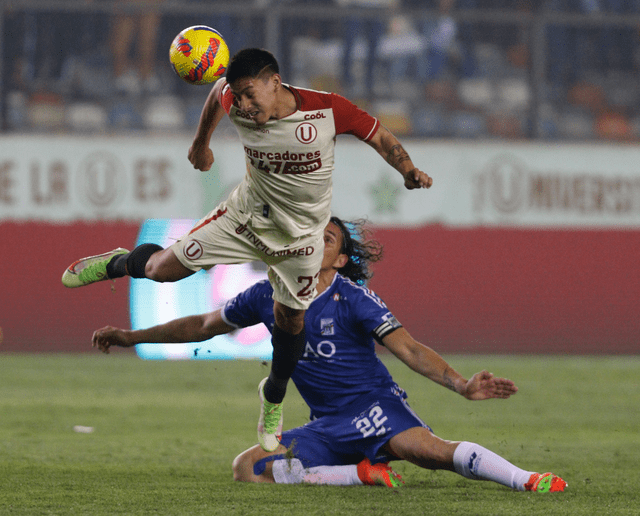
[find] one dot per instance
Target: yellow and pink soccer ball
(199, 55)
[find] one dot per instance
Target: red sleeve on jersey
(225, 97)
(351, 119)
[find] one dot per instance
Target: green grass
(166, 433)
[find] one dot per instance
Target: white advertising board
(59, 179)
(495, 184)
(475, 184)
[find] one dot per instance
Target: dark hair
(251, 62)
(359, 247)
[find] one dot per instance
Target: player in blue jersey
(360, 418)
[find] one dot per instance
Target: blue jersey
(339, 364)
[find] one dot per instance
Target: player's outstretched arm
(194, 328)
(425, 361)
(200, 155)
(388, 146)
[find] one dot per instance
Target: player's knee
(242, 468)
(165, 267)
(289, 319)
(153, 271)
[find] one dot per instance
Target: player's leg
(210, 242)
(478, 463)
(288, 341)
(292, 471)
(421, 447)
(259, 466)
(149, 261)
(309, 459)
(256, 465)
(145, 261)
(294, 280)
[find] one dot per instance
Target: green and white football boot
(90, 269)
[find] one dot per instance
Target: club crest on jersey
(306, 133)
(327, 327)
(193, 250)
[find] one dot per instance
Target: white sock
(288, 471)
(291, 471)
(475, 462)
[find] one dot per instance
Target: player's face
(333, 257)
(256, 97)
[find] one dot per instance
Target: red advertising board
(513, 291)
(37, 313)
(473, 290)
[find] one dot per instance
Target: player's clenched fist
(417, 179)
(201, 157)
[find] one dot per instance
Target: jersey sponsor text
(261, 246)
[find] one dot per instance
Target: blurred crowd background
(562, 70)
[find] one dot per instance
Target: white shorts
(225, 236)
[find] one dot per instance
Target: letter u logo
(306, 133)
(193, 250)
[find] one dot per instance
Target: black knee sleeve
(138, 258)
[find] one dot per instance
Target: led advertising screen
(153, 303)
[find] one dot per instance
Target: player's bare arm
(388, 146)
(425, 361)
(194, 328)
(200, 154)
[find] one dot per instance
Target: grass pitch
(165, 434)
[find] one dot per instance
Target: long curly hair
(361, 249)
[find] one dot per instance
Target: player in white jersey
(360, 418)
(277, 214)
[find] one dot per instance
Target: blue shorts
(358, 431)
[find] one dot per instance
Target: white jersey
(289, 161)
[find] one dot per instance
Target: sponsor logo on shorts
(261, 246)
(193, 250)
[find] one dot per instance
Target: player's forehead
(246, 85)
(242, 85)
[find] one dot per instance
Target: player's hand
(416, 178)
(201, 157)
(109, 336)
(484, 386)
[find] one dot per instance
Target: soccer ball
(199, 55)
